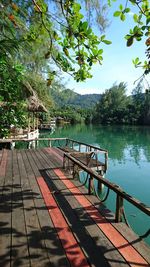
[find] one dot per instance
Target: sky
(117, 64)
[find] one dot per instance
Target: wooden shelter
(35, 106)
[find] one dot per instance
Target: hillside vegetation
(68, 97)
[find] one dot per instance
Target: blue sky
(117, 65)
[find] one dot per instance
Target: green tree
(146, 109)
(137, 107)
(12, 99)
(112, 107)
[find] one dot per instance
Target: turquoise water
(128, 165)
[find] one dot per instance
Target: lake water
(128, 165)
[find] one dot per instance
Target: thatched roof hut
(34, 104)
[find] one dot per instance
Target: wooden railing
(121, 195)
(81, 146)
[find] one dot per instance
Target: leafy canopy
(141, 18)
(71, 44)
(60, 26)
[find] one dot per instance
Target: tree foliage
(112, 105)
(12, 100)
(70, 42)
(115, 107)
(140, 10)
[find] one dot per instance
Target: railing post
(64, 162)
(106, 161)
(119, 208)
(90, 184)
(75, 171)
(36, 143)
(100, 186)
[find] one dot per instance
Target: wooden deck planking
(86, 230)
(94, 243)
(54, 248)
(135, 245)
(68, 205)
(90, 247)
(71, 210)
(136, 241)
(32, 235)
(36, 244)
(129, 252)
(125, 231)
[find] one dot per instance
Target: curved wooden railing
(120, 193)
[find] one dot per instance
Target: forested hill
(68, 97)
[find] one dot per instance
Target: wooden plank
(37, 250)
(54, 248)
(3, 163)
(1, 153)
(5, 210)
(20, 252)
(126, 250)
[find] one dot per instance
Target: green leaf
(127, 36)
(84, 25)
(121, 7)
(147, 20)
(102, 37)
(94, 51)
(117, 13)
(136, 61)
(127, 10)
(107, 42)
(135, 17)
(123, 17)
(100, 51)
(89, 30)
(76, 7)
(130, 41)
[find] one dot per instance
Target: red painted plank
(3, 163)
(73, 250)
(132, 257)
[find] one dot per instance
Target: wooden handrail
(117, 189)
(90, 146)
(8, 140)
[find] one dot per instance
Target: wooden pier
(48, 218)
